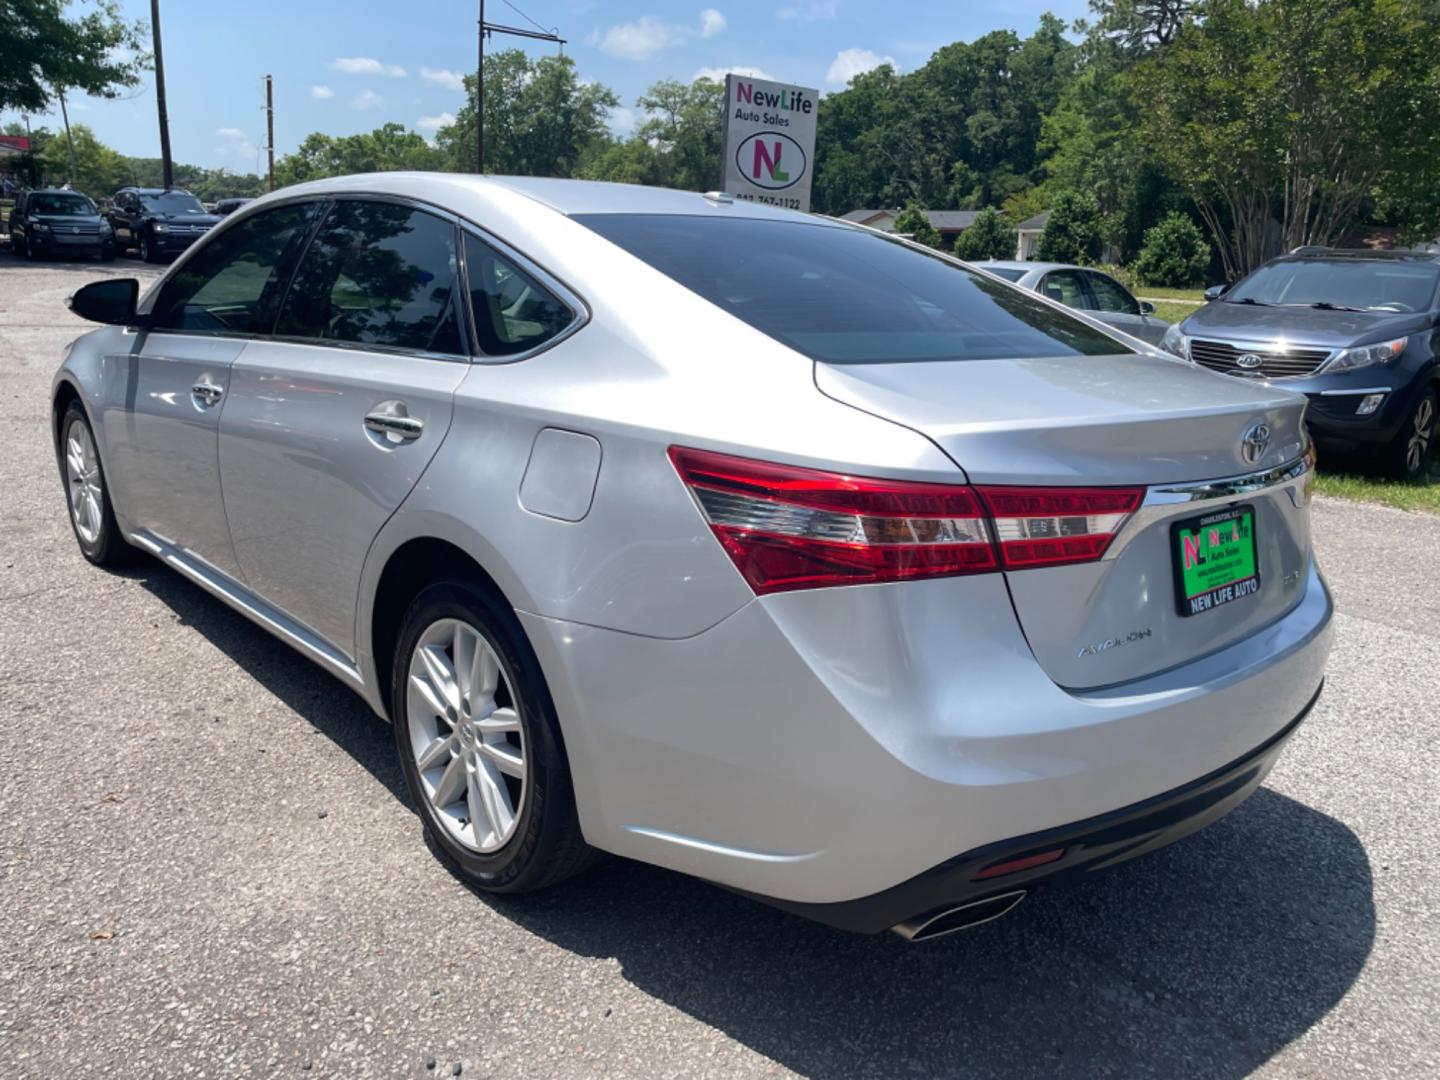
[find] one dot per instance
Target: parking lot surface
(209, 867)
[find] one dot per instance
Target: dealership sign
(769, 141)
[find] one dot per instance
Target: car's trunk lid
(1122, 421)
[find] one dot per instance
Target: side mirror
(111, 302)
(1214, 292)
(1147, 308)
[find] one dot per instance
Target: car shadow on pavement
(1202, 960)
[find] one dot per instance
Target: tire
(147, 252)
(506, 833)
(30, 252)
(1410, 453)
(92, 517)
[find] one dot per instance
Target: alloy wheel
(82, 476)
(463, 720)
(1422, 428)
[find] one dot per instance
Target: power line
(485, 30)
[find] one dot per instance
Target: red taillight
(1014, 866)
(1054, 526)
(792, 528)
(788, 527)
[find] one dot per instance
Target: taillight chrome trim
(729, 509)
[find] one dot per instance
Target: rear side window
(1068, 287)
(377, 274)
(846, 296)
(513, 311)
(232, 284)
(1109, 296)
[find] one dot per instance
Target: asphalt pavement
(209, 867)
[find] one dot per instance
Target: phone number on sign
(771, 200)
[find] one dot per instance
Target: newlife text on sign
(769, 141)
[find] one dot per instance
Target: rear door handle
(207, 392)
(394, 427)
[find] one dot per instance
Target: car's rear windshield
(1369, 285)
(61, 204)
(846, 296)
(173, 202)
(1009, 273)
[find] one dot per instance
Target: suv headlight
(40, 226)
(159, 226)
(1366, 355)
(105, 229)
(1176, 342)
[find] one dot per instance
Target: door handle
(395, 427)
(207, 392)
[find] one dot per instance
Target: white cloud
(435, 123)
(851, 62)
(638, 40)
(366, 99)
(622, 120)
(647, 35)
(451, 80)
(719, 73)
(365, 65)
(234, 141)
(321, 92)
(809, 11)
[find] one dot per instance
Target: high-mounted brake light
(787, 527)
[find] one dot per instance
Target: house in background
(1029, 232)
(951, 223)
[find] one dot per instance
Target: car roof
(1324, 254)
(564, 196)
(55, 191)
(1017, 264)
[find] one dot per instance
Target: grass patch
(1422, 495)
(1154, 292)
(1173, 313)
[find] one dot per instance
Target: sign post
(769, 141)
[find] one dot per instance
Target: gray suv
(1354, 331)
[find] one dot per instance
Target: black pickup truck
(157, 222)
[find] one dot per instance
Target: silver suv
(746, 543)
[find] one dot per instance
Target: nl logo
(770, 159)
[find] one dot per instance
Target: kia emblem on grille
(1249, 361)
(1252, 446)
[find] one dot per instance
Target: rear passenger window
(232, 284)
(513, 311)
(377, 274)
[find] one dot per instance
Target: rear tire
(147, 250)
(1410, 452)
(92, 518)
(480, 744)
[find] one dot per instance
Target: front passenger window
(232, 284)
(1067, 287)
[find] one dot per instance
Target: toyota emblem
(1249, 361)
(1254, 443)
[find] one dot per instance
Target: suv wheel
(91, 515)
(147, 249)
(480, 745)
(1410, 452)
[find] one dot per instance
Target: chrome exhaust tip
(949, 920)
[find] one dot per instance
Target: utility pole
(69, 142)
(270, 126)
(166, 166)
(486, 29)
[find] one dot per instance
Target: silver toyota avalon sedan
(746, 543)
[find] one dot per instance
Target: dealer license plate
(1215, 560)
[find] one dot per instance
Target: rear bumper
(826, 746)
(1094, 844)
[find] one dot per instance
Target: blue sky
(350, 66)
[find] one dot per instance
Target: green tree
(990, 236)
(42, 49)
(541, 118)
(1072, 235)
(99, 170)
(685, 125)
(1297, 111)
(1175, 255)
(388, 148)
(914, 224)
